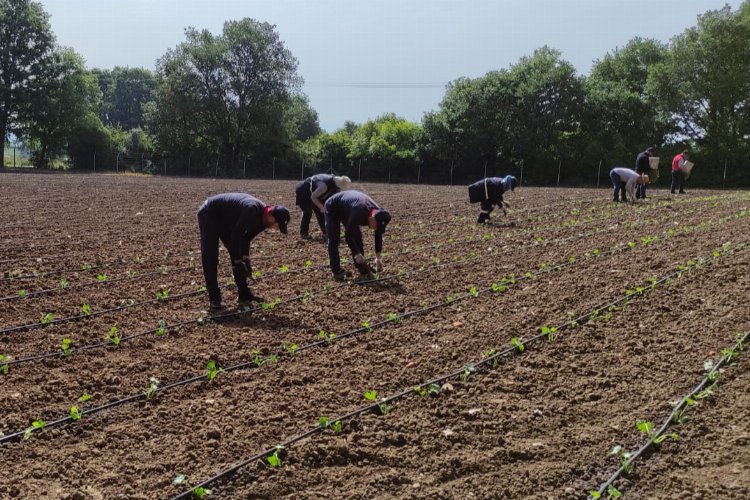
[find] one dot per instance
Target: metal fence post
(273, 169)
(360, 170)
(94, 160)
(559, 167)
(389, 173)
(451, 173)
(419, 173)
(599, 174)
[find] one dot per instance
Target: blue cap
(510, 182)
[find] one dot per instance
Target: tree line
(234, 100)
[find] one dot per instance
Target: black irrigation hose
(466, 369)
(34, 326)
(44, 274)
(95, 283)
(708, 380)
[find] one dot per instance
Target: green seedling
(46, 318)
(325, 423)
(4, 360)
(308, 263)
(131, 274)
(468, 370)
(257, 358)
(256, 275)
(35, 425)
(631, 244)
(515, 342)
(84, 397)
(162, 294)
(65, 346)
(270, 305)
(112, 336)
(434, 390)
(86, 266)
(86, 310)
(490, 353)
(647, 428)
(75, 413)
(201, 288)
(284, 269)
(549, 332)
(273, 460)
(495, 288)
(420, 390)
(64, 283)
(366, 326)
(153, 385)
(212, 370)
(199, 492)
(572, 323)
(371, 395)
(613, 492)
(23, 294)
(328, 337)
(161, 328)
(290, 349)
(473, 291)
(162, 269)
(392, 316)
(623, 456)
(306, 297)
(139, 259)
(101, 278)
(729, 353)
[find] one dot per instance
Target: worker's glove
(242, 269)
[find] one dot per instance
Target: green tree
(125, 94)
(26, 43)
(226, 94)
(704, 85)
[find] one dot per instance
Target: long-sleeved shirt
(239, 217)
(352, 209)
(642, 165)
(629, 177)
(490, 189)
(316, 188)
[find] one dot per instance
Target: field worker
(642, 166)
(312, 194)
(489, 192)
(678, 176)
(354, 209)
(624, 179)
(235, 219)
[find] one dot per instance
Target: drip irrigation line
(468, 367)
(708, 380)
(44, 274)
(78, 317)
(95, 283)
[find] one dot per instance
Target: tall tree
(26, 43)
(125, 94)
(230, 91)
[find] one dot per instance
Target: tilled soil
(539, 424)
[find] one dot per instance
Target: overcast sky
(360, 58)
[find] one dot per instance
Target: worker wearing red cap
(234, 219)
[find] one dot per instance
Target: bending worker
(354, 209)
(489, 192)
(625, 179)
(235, 219)
(312, 194)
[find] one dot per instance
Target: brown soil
(539, 425)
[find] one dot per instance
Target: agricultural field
(538, 356)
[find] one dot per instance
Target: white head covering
(342, 181)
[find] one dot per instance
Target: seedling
(308, 263)
(572, 323)
(46, 318)
(212, 370)
(489, 353)
(152, 387)
(284, 269)
(101, 278)
(199, 492)
(162, 294)
(23, 294)
(161, 328)
(434, 390)
(84, 397)
(647, 428)
(495, 288)
(74, 413)
(139, 259)
(112, 336)
(328, 337)
(473, 291)
(162, 269)
(65, 346)
(273, 460)
(623, 456)
(86, 310)
(86, 266)
(371, 395)
(549, 332)
(515, 342)
(4, 360)
(131, 274)
(256, 275)
(468, 370)
(392, 316)
(35, 425)
(290, 349)
(64, 283)
(325, 423)
(270, 305)
(730, 353)
(631, 244)
(366, 326)
(420, 390)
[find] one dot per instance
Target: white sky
(360, 58)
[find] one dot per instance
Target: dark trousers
(487, 208)
(640, 190)
(307, 211)
(333, 230)
(210, 237)
(619, 187)
(678, 181)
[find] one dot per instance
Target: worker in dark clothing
(643, 167)
(312, 194)
(489, 192)
(235, 219)
(354, 209)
